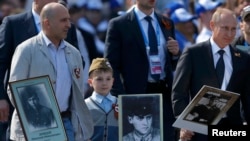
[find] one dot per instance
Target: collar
(99, 98)
(146, 137)
(141, 15)
(48, 42)
(216, 48)
(36, 17)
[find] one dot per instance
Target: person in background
(140, 113)
(93, 27)
(76, 11)
(49, 54)
(102, 103)
(115, 6)
(185, 29)
(237, 6)
(197, 66)
(204, 9)
(6, 8)
(243, 41)
(129, 5)
(144, 63)
(171, 7)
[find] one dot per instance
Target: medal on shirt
(115, 108)
(77, 72)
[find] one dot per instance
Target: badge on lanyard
(155, 64)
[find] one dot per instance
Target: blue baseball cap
(170, 8)
(182, 15)
(94, 5)
(206, 5)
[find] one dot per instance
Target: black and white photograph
(38, 109)
(141, 117)
(207, 108)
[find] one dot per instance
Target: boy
(101, 103)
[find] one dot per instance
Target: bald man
(14, 30)
(49, 54)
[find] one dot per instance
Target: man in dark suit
(14, 30)
(197, 67)
(129, 51)
(243, 41)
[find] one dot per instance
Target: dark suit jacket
(90, 44)
(14, 30)
(126, 51)
(196, 68)
(238, 41)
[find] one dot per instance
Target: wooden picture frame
(135, 102)
(44, 124)
(206, 108)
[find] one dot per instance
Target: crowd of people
(96, 50)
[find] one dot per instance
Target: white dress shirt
(63, 78)
(227, 60)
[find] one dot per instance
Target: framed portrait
(140, 113)
(38, 109)
(207, 108)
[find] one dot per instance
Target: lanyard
(144, 34)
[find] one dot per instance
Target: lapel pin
(77, 72)
(237, 54)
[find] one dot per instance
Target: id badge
(155, 64)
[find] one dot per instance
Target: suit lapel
(236, 64)
(70, 62)
(43, 47)
(165, 25)
(207, 55)
(30, 23)
(136, 31)
(74, 68)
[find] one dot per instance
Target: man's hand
(185, 135)
(4, 111)
(173, 46)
